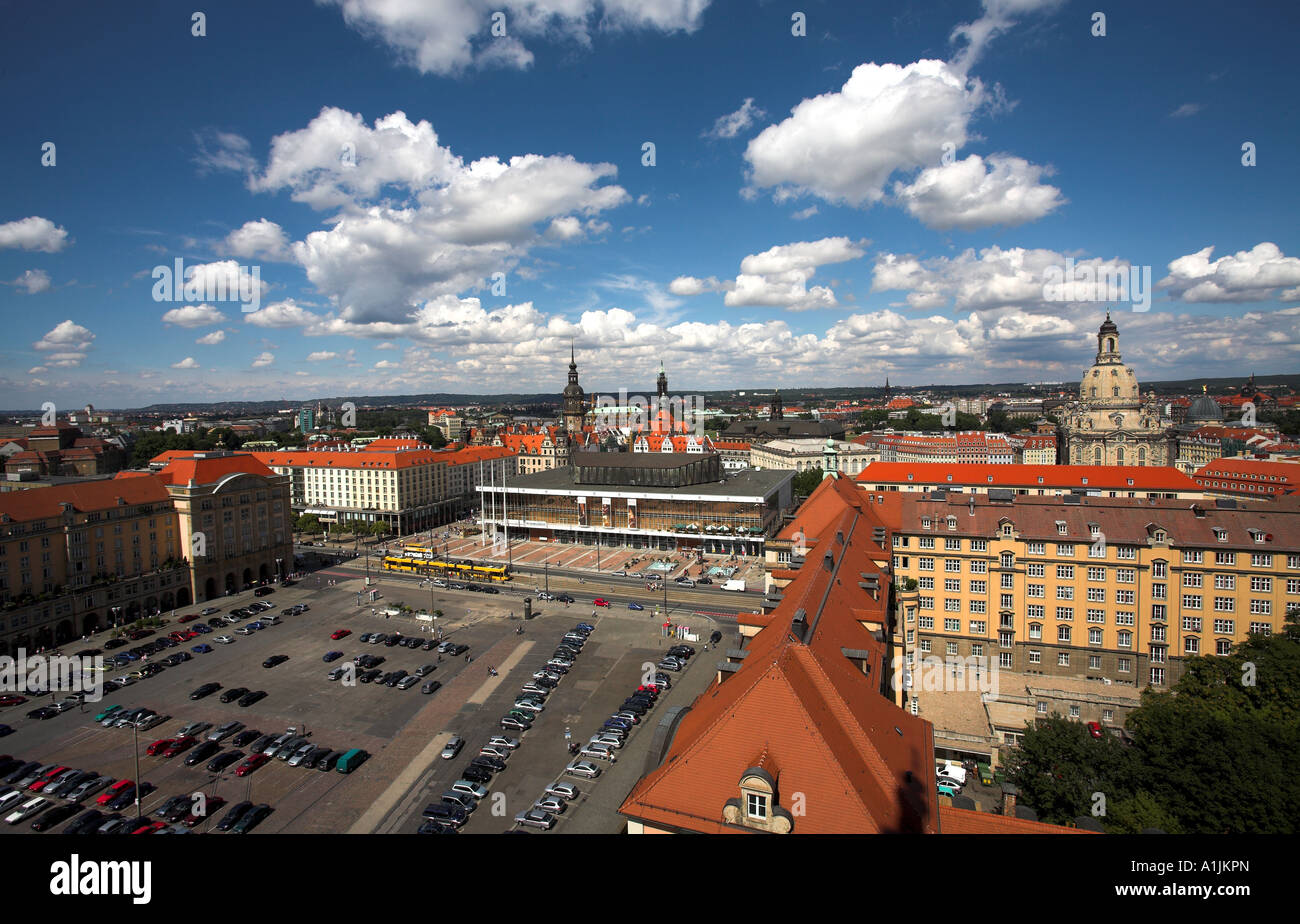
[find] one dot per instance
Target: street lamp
(135, 740)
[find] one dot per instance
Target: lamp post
(135, 741)
(546, 575)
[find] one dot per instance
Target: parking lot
(403, 730)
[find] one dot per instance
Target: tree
(1211, 756)
(806, 482)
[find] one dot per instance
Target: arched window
(1115, 392)
(1142, 455)
(1110, 344)
(1094, 391)
(1119, 456)
(1096, 456)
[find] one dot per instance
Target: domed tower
(1111, 424)
(777, 411)
(574, 398)
(1204, 411)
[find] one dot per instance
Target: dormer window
(756, 806)
(1094, 529)
(952, 524)
(1221, 534)
(925, 522)
(1060, 527)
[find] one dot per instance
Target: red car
(251, 764)
(214, 803)
(108, 795)
(149, 827)
(601, 601)
(341, 633)
(12, 699)
(45, 780)
(1094, 729)
(190, 618)
(179, 745)
(159, 746)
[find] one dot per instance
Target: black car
(206, 690)
(217, 622)
(114, 643)
(19, 772)
(457, 650)
(429, 644)
(173, 806)
(326, 762)
(332, 656)
(244, 737)
(565, 598)
(394, 678)
(274, 660)
(236, 812)
(249, 698)
(233, 694)
(635, 706)
(369, 676)
(86, 822)
(263, 591)
(489, 589)
(202, 752)
(127, 797)
(222, 761)
(54, 816)
(476, 774)
(261, 744)
(43, 712)
(495, 764)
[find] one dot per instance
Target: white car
(566, 791)
(9, 798)
(613, 741)
(193, 728)
(124, 681)
(224, 640)
(491, 750)
(582, 768)
(546, 675)
(528, 706)
(27, 810)
(501, 741)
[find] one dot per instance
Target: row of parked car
(462, 798)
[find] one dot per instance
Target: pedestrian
(467, 659)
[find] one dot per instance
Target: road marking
(417, 768)
(479, 696)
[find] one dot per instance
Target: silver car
(193, 728)
(300, 755)
(566, 791)
(89, 787)
(28, 809)
(582, 768)
(536, 818)
(151, 722)
(552, 804)
(453, 747)
(225, 731)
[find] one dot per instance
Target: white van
(733, 584)
(952, 770)
(270, 620)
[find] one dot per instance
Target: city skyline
(896, 198)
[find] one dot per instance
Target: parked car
(340, 633)
(431, 686)
(582, 768)
(225, 731)
(232, 816)
(275, 660)
(552, 805)
(249, 699)
(194, 728)
(201, 753)
(566, 791)
(251, 764)
(219, 763)
(536, 818)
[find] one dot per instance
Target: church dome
(1204, 410)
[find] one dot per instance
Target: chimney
(1009, 800)
(972, 505)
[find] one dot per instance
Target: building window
(756, 806)
(1062, 659)
(1124, 640)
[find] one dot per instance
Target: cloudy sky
(398, 196)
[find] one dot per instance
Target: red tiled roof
(199, 470)
(43, 503)
(862, 764)
(1101, 477)
(964, 821)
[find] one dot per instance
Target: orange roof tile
(1101, 477)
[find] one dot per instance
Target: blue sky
(885, 195)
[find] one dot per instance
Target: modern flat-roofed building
(642, 500)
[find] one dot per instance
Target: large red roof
(1099, 477)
